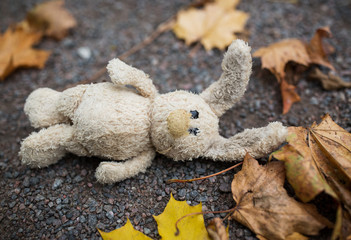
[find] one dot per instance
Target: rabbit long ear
(236, 65)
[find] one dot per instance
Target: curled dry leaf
(301, 169)
(289, 95)
(191, 227)
(316, 49)
(52, 19)
(276, 56)
(16, 50)
(214, 25)
(330, 81)
(264, 206)
(216, 230)
(127, 232)
(319, 159)
(294, 236)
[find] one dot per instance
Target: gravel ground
(64, 201)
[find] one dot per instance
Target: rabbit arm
(256, 141)
(123, 74)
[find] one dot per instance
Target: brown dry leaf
(216, 230)
(264, 206)
(335, 143)
(51, 18)
(342, 228)
(294, 236)
(276, 56)
(301, 169)
(319, 159)
(16, 50)
(330, 81)
(289, 95)
(214, 25)
(316, 50)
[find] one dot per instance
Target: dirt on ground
(64, 201)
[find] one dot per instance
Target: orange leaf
(52, 19)
(316, 49)
(16, 51)
(277, 55)
(289, 95)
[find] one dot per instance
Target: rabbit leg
(111, 172)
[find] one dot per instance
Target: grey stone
(92, 220)
(84, 53)
(182, 193)
(147, 231)
(82, 219)
(57, 183)
(314, 101)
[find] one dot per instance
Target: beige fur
(111, 121)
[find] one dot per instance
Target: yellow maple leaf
(16, 50)
(127, 232)
(214, 25)
(190, 228)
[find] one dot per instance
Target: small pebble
(84, 53)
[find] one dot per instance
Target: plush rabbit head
(182, 125)
(114, 122)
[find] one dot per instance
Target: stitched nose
(178, 123)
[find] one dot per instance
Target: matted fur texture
(113, 122)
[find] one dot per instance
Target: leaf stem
(201, 178)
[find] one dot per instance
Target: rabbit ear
(236, 65)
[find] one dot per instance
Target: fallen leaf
(16, 51)
(214, 25)
(289, 95)
(335, 143)
(316, 50)
(264, 206)
(301, 169)
(190, 227)
(276, 56)
(127, 232)
(342, 228)
(216, 230)
(294, 236)
(319, 159)
(330, 81)
(52, 19)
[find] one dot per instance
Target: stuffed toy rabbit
(129, 126)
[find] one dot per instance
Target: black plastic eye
(194, 131)
(194, 114)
